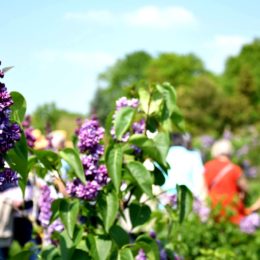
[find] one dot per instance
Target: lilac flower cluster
(44, 217)
(201, 209)
(90, 135)
(250, 223)
(141, 255)
(7, 176)
(250, 171)
(28, 129)
(45, 201)
(124, 102)
(9, 134)
(207, 141)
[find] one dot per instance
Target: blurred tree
(176, 69)
(246, 84)
(243, 72)
(44, 115)
(49, 114)
(124, 72)
(235, 112)
(200, 104)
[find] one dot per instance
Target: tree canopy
(209, 102)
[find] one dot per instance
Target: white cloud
(221, 47)
(146, 17)
(162, 18)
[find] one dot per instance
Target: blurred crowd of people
(218, 182)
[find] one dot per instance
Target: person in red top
(225, 182)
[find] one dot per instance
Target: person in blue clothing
(186, 167)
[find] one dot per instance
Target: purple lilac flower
(227, 134)
(79, 122)
(252, 172)
(177, 257)
(101, 176)
(7, 176)
(44, 217)
(28, 131)
(124, 102)
(9, 134)
(45, 201)
(141, 255)
(89, 136)
(139, 127)
(88, 191)
(57, 226)
(201, 210)
(250, 223)
(242, 151)
(207, 141)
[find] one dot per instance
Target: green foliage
(102, 235)
(218, 96)
(123, 120)
(46, 115)
(72, 157)
(123, 73)
(209, 240)
(18, 108)
(142, 177)
(185, 202)
(174, 68)
(114, 165)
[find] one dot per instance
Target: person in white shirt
(186, 168)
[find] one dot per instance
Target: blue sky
(58, 47)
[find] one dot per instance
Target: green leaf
(156, 148)
(139, 214)
(119, 235)
(123, 120)
(55, 209)
(103, 248)
(73, 159)
(114, 165)
(162, 143)
(178, 120)
(69, 211)
(144, 98)
(80, 255)
(49, 159)
(49, 252)
(66, 245)
(109, 209)
(150, 247)
(156, 103)
(17, 158)
(18, 108)
(185, 200)
(100, 248)
(125, 254)
(25, 254)
(141, 176)
(169, 94)
(159, 175)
